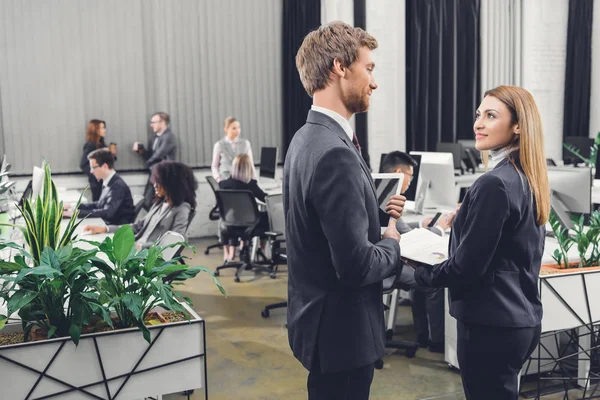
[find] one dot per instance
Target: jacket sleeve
(338, 194)
(486, 214)
(168, 144)
(109, 208)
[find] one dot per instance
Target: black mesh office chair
(391, 286)
(213, 215)
(277, 241)
(240, 219)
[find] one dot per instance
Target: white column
(544, 48)
(337, 10)
(500, 30)
(595, 89)
(386, 20)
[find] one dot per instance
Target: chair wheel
(265, 313)
(206, 251)
(237, 278)
(216, 273)
(411, 353)
(379, 364)
(389, 334)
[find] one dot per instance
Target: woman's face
(493, 125)
(233, 130)
(159, 190)
(102, 130)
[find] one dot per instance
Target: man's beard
(355, 102)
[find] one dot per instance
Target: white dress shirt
(343, 122)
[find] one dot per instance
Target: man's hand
(94, 230)
(68, 213)
(391, 231)
(395, 206)
(135, 146)
(445, 221)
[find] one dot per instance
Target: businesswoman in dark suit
(94, 140)
(496, 249)
(175, 201)
(242, 171)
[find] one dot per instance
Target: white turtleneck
(500, 154)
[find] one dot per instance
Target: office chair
(391, 288)
(168, 238)
(213, 215)
(240, 219)
(276, 239)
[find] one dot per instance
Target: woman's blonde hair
(241, 168)
(229, 121)
(525, 113)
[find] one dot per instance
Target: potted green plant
(585, 238)
(62, 290)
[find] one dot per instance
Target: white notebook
(424, 246)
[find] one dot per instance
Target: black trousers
(354, 384)
(428, 313)
(491, 357)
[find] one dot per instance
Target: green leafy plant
(593, 151)
(43, 217)
(137, 282)
(59, 294)
(586, 238)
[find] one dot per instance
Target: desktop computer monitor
(457, 152)
(268, 162)
(582, 143)
(37, 181)
(570, 191)
(438, 170)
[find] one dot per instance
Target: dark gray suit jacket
(166, 149)
(177, 220)
(115, 205)
(336, 258)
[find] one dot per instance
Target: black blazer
(166, 149)
(496, 249)
(252, 186)
(88, 147)
(336, 258)
(115, 205)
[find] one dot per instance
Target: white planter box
(108, 365)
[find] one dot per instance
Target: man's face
(358, 83)
(99, 172)
(157, 124)
(408, 176)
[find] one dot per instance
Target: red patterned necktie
(355, 142)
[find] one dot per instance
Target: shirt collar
(107, 180)
(232, 141)
(343, 122)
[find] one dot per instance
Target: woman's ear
(517, 130)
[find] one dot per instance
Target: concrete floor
(249, 357)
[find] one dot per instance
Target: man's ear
(338, 69)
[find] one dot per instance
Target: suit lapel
(315, 117)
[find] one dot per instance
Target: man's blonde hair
(241, 168)
(321, 47)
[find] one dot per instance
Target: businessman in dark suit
(427, 304)
(164, 147)
(115, 205)
(336, 257)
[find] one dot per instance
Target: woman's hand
(94, 230)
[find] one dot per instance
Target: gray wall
(64, 62)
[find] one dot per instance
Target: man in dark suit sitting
(336, 257)
(427, 303)
(115, 205)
